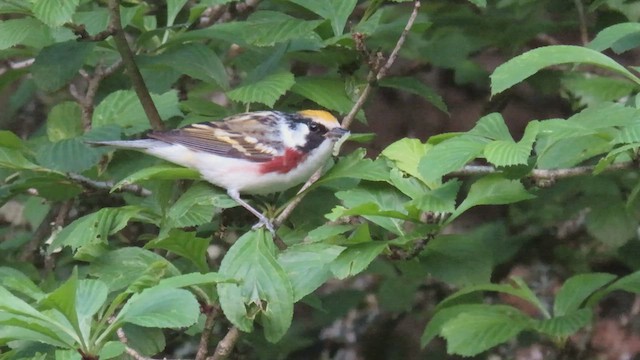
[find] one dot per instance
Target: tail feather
(127, 144)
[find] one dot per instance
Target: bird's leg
(263, 221)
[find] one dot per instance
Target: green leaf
(268, 28)
(607, 37)
(591, 89)
(450, 155)
(191, 279)
(10, 140)
(506, 153)
(197, 61)
(160, 307)
(356, 258)
(63, 299)
(17, 281)
(492, 126)
(265, 91)
(336, 11)
(69, 155)
(406, 154)
(327, 92)
(565, 325)
(308, 266)
(459, 260)
(612, 223)
(158, 172)
(414, 86)
(575, 291)
(442, 316)
(64, 121)
(475, 331)
(95, 228)
(185, 244)
(381, 205)
(173, 8)
(264, 286)
(147, 341)
(628, 135)
(355, 166)
(14, 159)
(57, 64)
(15, 31)
(440, 199)
(521, 67)
(123, 108)
(492, 190)
(197, 206)
(54, 12)
(479, 3)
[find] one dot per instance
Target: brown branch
(87, 100)
(544, 175)
(81, 32)
(133, 353)
(584, 34)
(376, 74)
(203, 347)
(108, 185)
(132, 69)
(226, 345)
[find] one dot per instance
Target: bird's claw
(266, 223)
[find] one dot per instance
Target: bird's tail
(127, 144)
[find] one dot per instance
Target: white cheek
(294, 137)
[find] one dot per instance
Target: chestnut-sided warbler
(253, 153)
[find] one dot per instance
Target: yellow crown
(321, 116)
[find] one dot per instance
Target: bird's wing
(242, 136)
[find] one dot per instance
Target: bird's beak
(337, 133)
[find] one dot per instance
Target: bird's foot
(266, 223)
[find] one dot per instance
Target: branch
(225, 346)
(132, 69)
(81, 32)
(87, 100)
(544, 175)
(376, 74)
(203, 347)
(108, 185)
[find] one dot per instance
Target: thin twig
(87, 100)
(108, 185)
(132, 69)
(584, 34)
(544, 174)
(203, 347)
(375, 74)
(226, 345)
(134, 354)
(81, 32)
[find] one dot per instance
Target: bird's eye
(313, 127)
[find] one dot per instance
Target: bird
(258, 152)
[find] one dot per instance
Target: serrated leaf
(185, 244)
(521, 67)
(267, 28)
(197, 206)
(15, 31)
(565, 325)
(327, 92)
(506, 153)
(160, 307)
(356, 258)
(628, 135)
(607, 37)
(122, 267)
(336, 11)
(95, 228)
(159, 172)
(69, 155)
(123, 108)
(591, 89)
(64, 121)
(475, 331)
(492, 126)
(492, 190)
(198, 61)
(450, 155)
(308, 266)
(612, 224)
(440, 199)
(57, 64)
(17, 281)
(265, 91)
(406, 154)
(442, 316)
(575, 291)
(54, 12)
(355, 166)
(264, 286)
(417, 87)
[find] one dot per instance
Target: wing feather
(250, 136)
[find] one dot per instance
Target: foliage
(118, 264)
